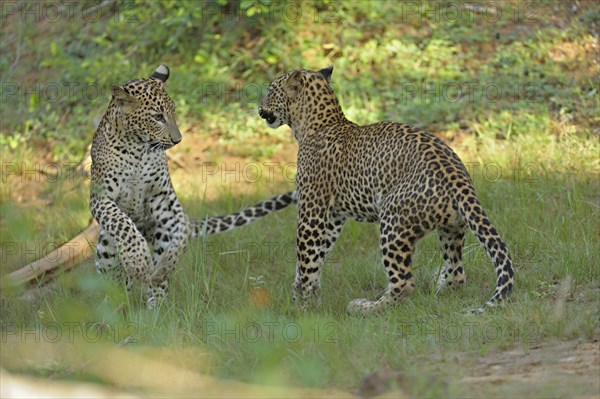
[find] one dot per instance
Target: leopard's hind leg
(452, 240)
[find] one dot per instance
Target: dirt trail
(549, 369)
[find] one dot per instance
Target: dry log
(60, 260)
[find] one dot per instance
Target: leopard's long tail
(220, 224)
(471, 210)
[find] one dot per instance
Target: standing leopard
(131, 194)
(407, 180)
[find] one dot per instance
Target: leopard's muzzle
(266, 115)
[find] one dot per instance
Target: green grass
(548, 220)
(532, 153)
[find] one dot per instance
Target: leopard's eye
(159, 118)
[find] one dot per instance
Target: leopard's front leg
(121, 233)
(169, 238)
(107, 259)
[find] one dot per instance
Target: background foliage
(525, 65)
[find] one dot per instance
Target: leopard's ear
(126, 101)
(161, 73)
(294, 83)
(326, 72)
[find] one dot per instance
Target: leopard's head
(147, 111)
(298, 96)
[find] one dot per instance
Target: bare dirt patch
(549, 369)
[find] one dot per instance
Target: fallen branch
(58, 261)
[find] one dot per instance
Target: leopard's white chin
(275, 124)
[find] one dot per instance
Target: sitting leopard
(405, 179)
(132, 197)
